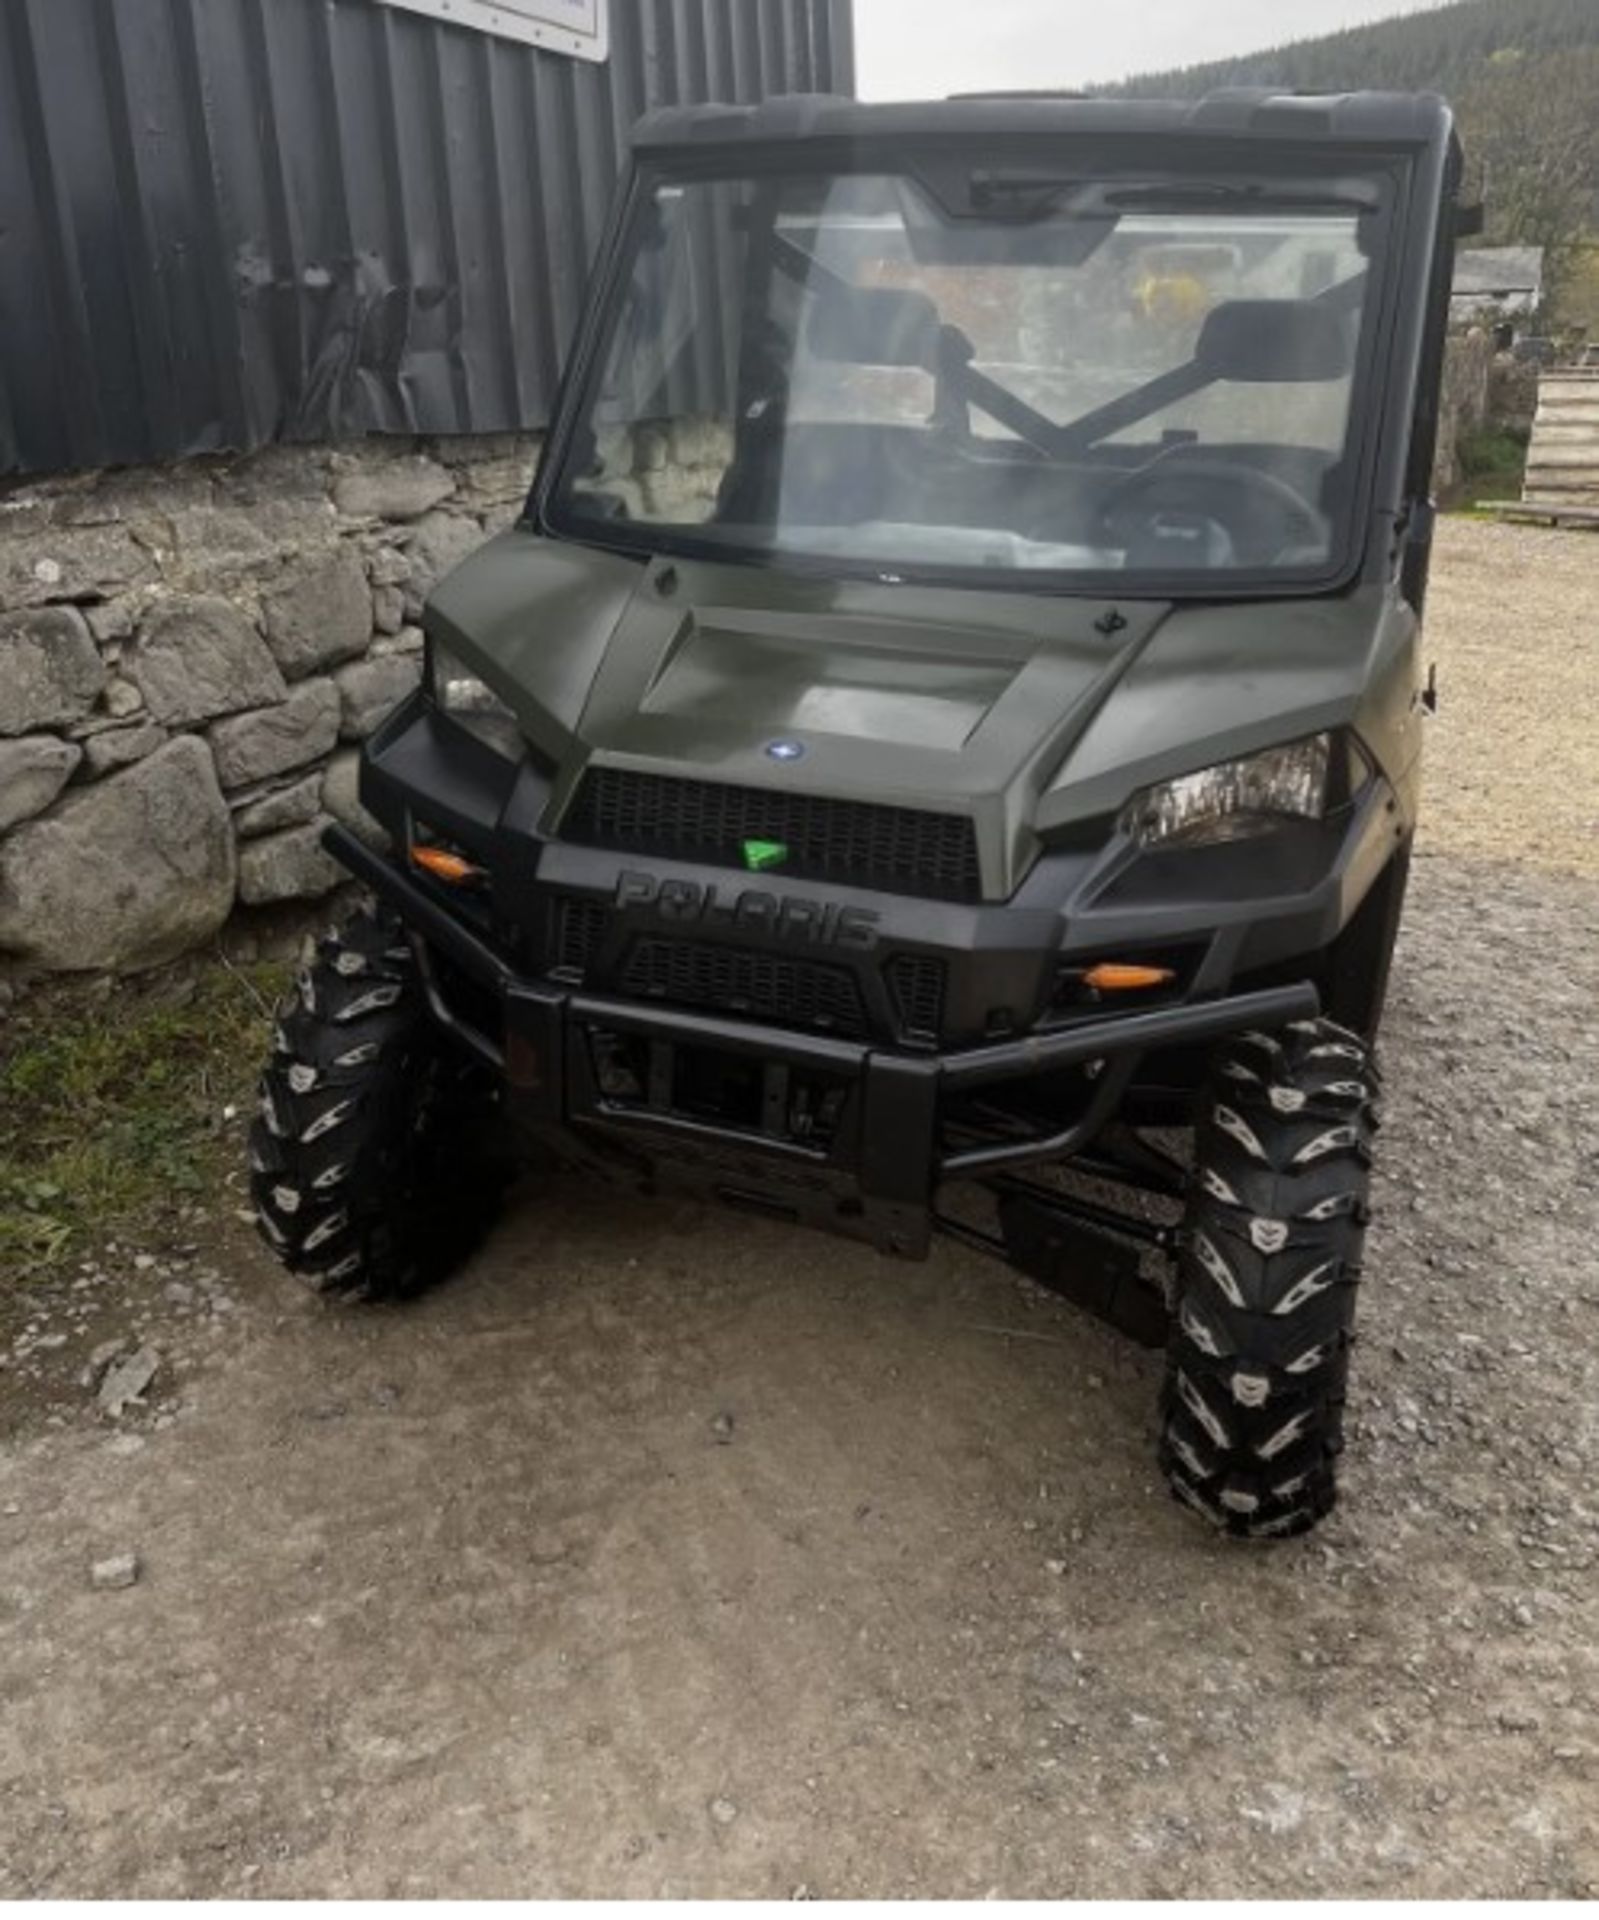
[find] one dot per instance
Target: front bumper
(873, 1172)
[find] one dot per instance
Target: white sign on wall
(581, 28)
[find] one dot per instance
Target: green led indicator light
(761, 855)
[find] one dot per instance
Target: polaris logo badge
(760, 856)
(771, 916)
(785, 749)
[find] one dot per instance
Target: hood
(1023, 712)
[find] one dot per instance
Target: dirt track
(471, 1599)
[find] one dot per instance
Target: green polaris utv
(938, 753)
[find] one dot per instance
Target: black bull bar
(898, 1163)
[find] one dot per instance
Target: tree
(1531, 126)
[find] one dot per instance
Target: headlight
(1239, 798)
(471, 704)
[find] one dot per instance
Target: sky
(925, 49)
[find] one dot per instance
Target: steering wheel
(1257, 514)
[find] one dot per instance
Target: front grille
(743, 980)
(579, 928)
(857, 842)
(916, 982)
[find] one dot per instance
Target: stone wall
(1513, 393)
(1463, 403)
(1481, 388)
(189, 657)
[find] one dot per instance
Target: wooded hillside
(1445, 49)
(1523, 76)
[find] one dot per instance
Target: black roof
(1367, 119)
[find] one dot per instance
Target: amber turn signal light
(449, 867)
(1116, 976)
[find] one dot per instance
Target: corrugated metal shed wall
(225, 222)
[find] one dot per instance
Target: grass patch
(1493, 463)
(111, 1107)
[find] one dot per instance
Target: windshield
(985, 370)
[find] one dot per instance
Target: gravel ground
(667, 1553)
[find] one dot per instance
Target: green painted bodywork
(1039, 715)
(1033, 714)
